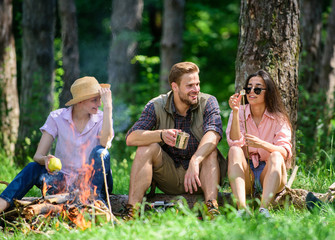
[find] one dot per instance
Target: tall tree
(269, 39)
(311, 27)
(36, 97)
(69, 27)
(172, 40)
(327, 75)
(9, 101)
(125, 22)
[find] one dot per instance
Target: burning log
(43, 208)
(77, 217)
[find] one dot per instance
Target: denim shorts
(257, 173)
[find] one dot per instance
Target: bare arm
(147, 137)
(41, 156)
(255, 142)
(234, 103)
(107, 123)
(206, 146)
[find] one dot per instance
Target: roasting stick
(242, 92)
(104, 152)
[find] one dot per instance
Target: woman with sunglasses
(258, 134)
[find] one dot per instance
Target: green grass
(287, 223)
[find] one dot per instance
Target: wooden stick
(4, 182)
(242, 92)
(113, 218)
(292, 177)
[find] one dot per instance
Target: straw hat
(85, 88)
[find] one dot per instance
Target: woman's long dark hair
(273, 100)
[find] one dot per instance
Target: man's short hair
(180, 69)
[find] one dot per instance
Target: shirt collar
(68, 115)
(266, 113)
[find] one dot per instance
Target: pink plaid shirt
(271, 129)
(73, 148)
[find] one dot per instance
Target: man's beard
(184, 99)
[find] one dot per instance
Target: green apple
(55, 164)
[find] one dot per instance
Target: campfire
(75, 205)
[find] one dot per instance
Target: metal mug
(182, 140)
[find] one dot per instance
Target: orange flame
(45, 188)
(85, 183)
(78, 218)
(82, 181)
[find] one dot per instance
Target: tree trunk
(125, 21)
(68, 17)
(311, 26)
(269, 39)
(172, 40)
(327, 75)
(36, 97)
(9, 101)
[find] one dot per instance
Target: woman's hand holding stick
(242, 92)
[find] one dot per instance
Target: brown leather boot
(212, 209)
(130, 213)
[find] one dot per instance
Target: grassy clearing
(287, 223)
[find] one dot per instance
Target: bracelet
(162, 136)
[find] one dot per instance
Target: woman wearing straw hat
(259, 136)
(82, 132)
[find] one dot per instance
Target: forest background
(127, 47)
(204, 32)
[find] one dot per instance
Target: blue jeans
(36, 174)
(257, 173)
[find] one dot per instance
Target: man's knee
(212, 158)
(147, 153)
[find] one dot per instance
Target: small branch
(4, 182)
(292, 177)
(113, 218)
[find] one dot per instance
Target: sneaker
(243, 213)
(313, 203)
(212, 209)
(129, 213)
(264, 212)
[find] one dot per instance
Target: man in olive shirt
(177, 171)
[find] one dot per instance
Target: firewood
(43, 208)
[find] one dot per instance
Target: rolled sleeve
(283, 138)
(147, 121)
(50, 127)
(212, 117)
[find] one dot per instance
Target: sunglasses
(257, 90)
